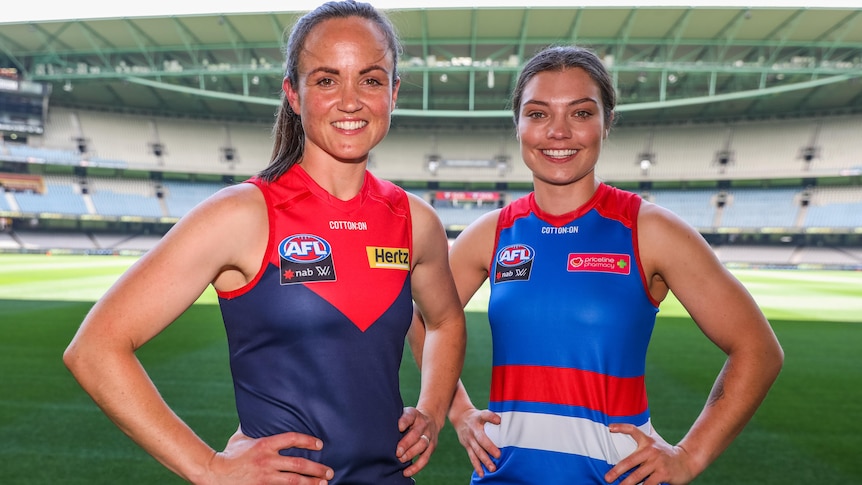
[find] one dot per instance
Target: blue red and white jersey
(571, 320)
(316, 339)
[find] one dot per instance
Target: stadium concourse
(743, 120)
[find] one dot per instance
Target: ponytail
(288, 145)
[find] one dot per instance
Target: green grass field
(809, 430)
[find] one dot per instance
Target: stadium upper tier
(777, 148)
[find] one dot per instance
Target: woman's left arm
(676, 258)
(445, 341)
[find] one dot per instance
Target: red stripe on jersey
(613, 396)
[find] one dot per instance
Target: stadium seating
(835, 207)
(752, 149)
(180, 197)
(757, 208)
(4, 201)
(59, 198)
(838, 207)
(803, 149)
(697, 207)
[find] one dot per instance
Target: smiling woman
(317, 264)
(572, 312)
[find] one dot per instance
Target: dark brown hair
(287, 132)
(560, 58)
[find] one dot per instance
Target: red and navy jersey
(571, 320)
(316, 339)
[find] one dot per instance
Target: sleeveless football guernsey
(316, 340)
(571, 320)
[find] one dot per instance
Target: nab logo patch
(305, 258)
(514, 263)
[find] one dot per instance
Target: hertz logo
(390, 258)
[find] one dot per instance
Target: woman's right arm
(222, 240)
(469, 257)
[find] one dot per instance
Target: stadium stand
(835, 207)
(60, 197)
(180, 197)
(460, 217)
(133, 243)
(827, 256)
(759, 208)
(8, 242)
(118, 137)
(54, 239)
(76, 242)
(767, 255)
(29, 153)
(113, 175)
(702, 151)
(751, 149)
(697, 207)
(119, 197)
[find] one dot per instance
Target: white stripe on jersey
(564, 434)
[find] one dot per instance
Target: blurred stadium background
(745, 121)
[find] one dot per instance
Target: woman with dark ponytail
(317, 265)
(287, 131)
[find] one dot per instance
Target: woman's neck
(562, 199)
(343, 180)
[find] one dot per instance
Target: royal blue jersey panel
(587, 313)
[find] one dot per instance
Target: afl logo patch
(304, 248)
(514, 263)
(305, 258)
(515, 255)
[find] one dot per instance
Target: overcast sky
(35, 10)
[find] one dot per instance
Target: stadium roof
(670, 63)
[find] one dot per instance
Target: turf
(807, 431)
